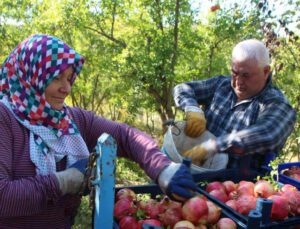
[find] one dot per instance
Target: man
(247, 114)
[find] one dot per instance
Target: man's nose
(239, 80)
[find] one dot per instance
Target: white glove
(70, 180)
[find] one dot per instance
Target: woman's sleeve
(131, 143)
(25, 196)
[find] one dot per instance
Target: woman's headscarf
(24, 76)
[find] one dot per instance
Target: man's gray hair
(251, 49)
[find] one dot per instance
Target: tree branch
(102, 33)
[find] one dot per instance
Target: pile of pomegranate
(133, 211)
(242, 197)
(293, 172)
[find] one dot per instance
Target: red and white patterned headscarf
(24, 76)
(26, 73)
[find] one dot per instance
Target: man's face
(248, 79)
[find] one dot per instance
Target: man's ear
(267, 70)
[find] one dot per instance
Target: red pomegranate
(170, 217)
(280, 207)
(150, 208)
(214, 213)
(124, 207)
(215, 185)
(126, 193)
(184, 224)
(263, 189)
(226, 223)
(229, 186)
(219, 194)
(232, 204)
(128, 222)
(245, 187)
(245, 203)
(195, 209)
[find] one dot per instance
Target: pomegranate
(226, 223)
(293, 198)
(170, 217)
(214, 8)
(263, 189)
(295, 176)
(233, 195)
(215, 185)
(232, 204)
(124, 207)
(286, 187)
(214, 213)
(167, 203)
(195, 209)
(184, 224)
(150, 208)
(280, 207)
(245, 203)
(128, 222)
(125, 193)
(229, 186)
(219, 194)
(245, 187)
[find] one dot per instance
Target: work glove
(177, 182)
(71, 180)
(200, 153)
(195, 122)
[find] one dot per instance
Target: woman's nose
(65, 86)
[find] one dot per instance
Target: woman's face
(60, 87)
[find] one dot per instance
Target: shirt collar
(268, 85)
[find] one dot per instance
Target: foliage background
(137, 50)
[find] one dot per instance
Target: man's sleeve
(191, 94)
(269, 134)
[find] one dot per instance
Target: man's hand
(71, 179)
(177, 182)
(195, 123)
(202, 152)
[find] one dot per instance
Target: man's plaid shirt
(260, 124)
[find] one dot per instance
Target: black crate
(237, 175)
(286, 179)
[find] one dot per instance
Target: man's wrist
(211, 146)
(193, 109)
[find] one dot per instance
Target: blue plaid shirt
(260, 124)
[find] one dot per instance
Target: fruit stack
(240, 195)
(133, 211)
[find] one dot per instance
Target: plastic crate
(236, 176)
(286, 179)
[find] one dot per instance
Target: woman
(44, 144)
